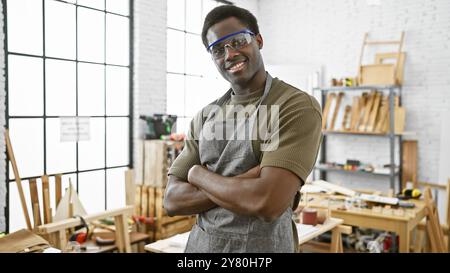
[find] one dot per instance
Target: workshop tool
(158, 125)
(329, 99)
(12, 159)
(336, 110)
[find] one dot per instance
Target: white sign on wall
(75, 129)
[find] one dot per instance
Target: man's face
(237, 66)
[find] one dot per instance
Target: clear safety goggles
(236, 41)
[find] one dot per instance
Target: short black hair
(223, 12)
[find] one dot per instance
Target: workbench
(177, 243)
(399, 220)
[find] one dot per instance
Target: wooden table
(401, 221)
(177, 243)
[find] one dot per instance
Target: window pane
(194, 16)
(175, 14)
(25, 36)
(27, 140)
(115, 189)
(91, 190)
(91, 89)
(118, 6)
(175, 51)
(175, 94)
(194, 52)
(60, 88)
(91, 153)
(16, 218)
(117, 40)
(117, 90)
(117, 141)
(98, 4)
(61, 156)
(25, 84)
(196, 97)
(91, 29)
(60, 29)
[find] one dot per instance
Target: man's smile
(237, 66)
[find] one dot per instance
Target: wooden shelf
(331, 169)
(328, 132)
(355, 88)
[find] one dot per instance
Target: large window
(192, 78)
(69, 59)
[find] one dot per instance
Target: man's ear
(259, 40)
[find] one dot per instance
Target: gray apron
(220, 230)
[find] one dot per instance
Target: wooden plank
(158, 211)
(151, 202)
(355, 112)
(144, 201)
(35, 202)
(362, 109)
(346, 120)
(73, 222)
(46, 199)
(138, 200)
(12, 159)
(130, 187)
(58, 189)
(329, 99)
(384, 109)
(367, 110)
(373, 114)
(409, 162)
(336, 110)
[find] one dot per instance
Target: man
(243, 189)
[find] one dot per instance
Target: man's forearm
(240, 195)
(182, 198)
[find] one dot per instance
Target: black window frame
(44, 117)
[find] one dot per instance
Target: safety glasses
(236, 41)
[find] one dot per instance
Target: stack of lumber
(150, 179)
(368, 113)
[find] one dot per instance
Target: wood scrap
(346, 120)
(329, 99)
(12, 159)
(409, 162)
(367, 110)
(35, 202)
(383, 113)
(69, 205)
(355, 113)
(373, 114)
(58, 189)
(46, 199)
(336, 110)
(362, 109)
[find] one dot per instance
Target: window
(192, 78)
(69, 59)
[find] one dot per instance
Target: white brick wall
(330, 33)
(2, 126)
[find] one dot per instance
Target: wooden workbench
(401, 221)
(177, 243)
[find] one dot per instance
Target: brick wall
(329, 33)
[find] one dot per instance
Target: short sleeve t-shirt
(299, 134)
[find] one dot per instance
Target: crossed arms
(261, 192)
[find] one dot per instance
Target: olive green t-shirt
(299, 134)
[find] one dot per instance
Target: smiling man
(241, 177)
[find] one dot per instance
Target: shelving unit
(393, 90)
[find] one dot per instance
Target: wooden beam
(11, 157)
